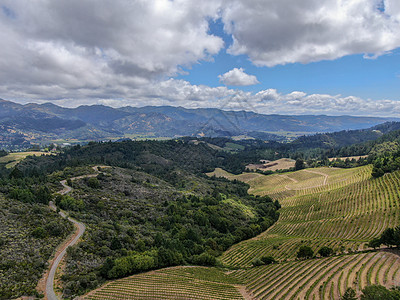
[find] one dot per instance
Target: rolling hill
(339, 208)
(22, 125)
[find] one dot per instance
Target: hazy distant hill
(38, 123)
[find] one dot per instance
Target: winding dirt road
(326, 176)
(49, 291)
(51, 295)
(319, 173)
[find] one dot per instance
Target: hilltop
(24, 125)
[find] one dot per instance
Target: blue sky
(269, 56)
(355, 75)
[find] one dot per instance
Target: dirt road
(49, 292)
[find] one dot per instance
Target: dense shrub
(389, 237)
(325, 251)
(28, 229)
(267, 260)
(377, 292)
(305, 252)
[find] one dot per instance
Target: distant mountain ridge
(39, 123)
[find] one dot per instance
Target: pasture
(12, 159)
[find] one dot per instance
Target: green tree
(387, 237)
(376, 292)
(267, 260)
(204, 259)
(39, 232)
(131, 264)
(54, 228)
(350, 294)
(168, 257)
(43, 195)
(377, 172)
(325, 251)
(93, 182)
(375, 243)
(257, 262)
(16, 173)
(69, 203)
(396, 236)
(69, 182)
(299, 165)
(305, 252)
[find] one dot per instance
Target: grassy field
(339, 208)
(12, 159)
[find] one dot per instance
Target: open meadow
(12, 159)
(266, 165)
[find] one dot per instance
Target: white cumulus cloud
(126, 52)
(237, 77)
(275, 32)
(94, 44)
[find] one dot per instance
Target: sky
(333, 57)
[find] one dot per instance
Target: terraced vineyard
(173, 283)
(339, 208)
(324, 278)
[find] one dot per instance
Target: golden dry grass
(280, 164)
(12, 159)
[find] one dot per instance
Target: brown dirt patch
(266, 165)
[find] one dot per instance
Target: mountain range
(22, 125)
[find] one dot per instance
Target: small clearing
(12, 159)
(266, 165)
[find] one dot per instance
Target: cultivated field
(339, 208)
(173, 283)
(322, 278)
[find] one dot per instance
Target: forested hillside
(29, 233)
(152, 208)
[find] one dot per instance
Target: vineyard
(339, 208)
(172, 283)
(324, 278)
